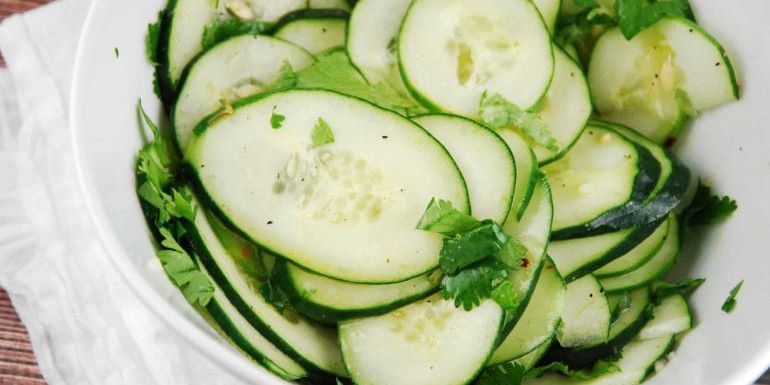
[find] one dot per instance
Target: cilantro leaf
(508, 295)
(276, 119)
(586, 3)
(497, 112)
(636, 15)
(274, 295)
(220, 30)
(706, 208)
(322, 134)
(509, 373)
(441, 217)
(684, 287)
(471, 246)
(600, 368)
(151, 41)
(729, 305)
(287, 78)
(183, 271)
(470, 286)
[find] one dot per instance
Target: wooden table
(17, 361)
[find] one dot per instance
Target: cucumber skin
(511, 317)
(327, 315)
(165, 84)
(613, 219)
(308, 13)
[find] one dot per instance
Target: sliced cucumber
(661, 77)
(372, 39)
(234, 69)
(494, 46)
(531, 359)
(580, 256)
(549, 9)
(638, 359)
(637, 256)
(538, 323)
(653, 269)
(566, 107)
(315, 30)
(671, 316)
(340, 209)
(329, 4)
(622, 330)
(585, 318)
(430, 342)
(328, 300)
(604, 174)
(313, 346)
(526, 172)
(484, 159)
(238, 330)
(262, 10)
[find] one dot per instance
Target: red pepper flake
(670, 142)
(525, 263)
(549, 267)
(245, 252)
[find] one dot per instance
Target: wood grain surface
(17, 361)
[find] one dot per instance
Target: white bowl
(731, 146)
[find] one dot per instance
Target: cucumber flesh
(538, 323)
(637, 256)
(328, 300)
(234, 69)
(314, 34)
(585, 315)
(526, 172)
(494, 46)
(664, 75)
(339, 209)
(530, 360)
(484, 159)
(549, 9)
(653, 269)
(671, 316)
(329, 4)
(428, 343)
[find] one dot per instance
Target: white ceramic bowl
(731, 146)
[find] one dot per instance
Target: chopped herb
(706, 208)
(730, 302)
(220, 30)
(322, 134)
(287, 78)
(586, 3)
(470, 286)
(497, 112)
(276, 119)
(441, 217)
(684, 287)
(274, 295)
(117, 53)
(600, 368)
(183, 271)
(635, 16)
(151, 41)
(509, 373)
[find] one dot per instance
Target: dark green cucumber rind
(166, 85)
(633, 239)
(431, 105)
(511, 317)
(191, 175)
(530, 187)
(585, 356)
(308, 14)
(502, 141)
(326, 314)
(611, 220)
(211, 265)
(650, 370)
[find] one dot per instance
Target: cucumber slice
(238, 330)
(671, 316)
(313, 346)
(661, 77)
(428, 343)
(484, 159)
(495, 46)
(315, 30)
(343, 209)
(622, 330)
(549, 10)
(638, 256)
(531, 359)
(585, 318)
(329, 4)
(638, 360)
(329, 300)
(580, 256)
(372, 38)
(566, 107)
(231, 70)
(538, 323)
(526, 172)
(653, 269)
(603, 175)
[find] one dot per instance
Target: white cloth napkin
(85, 324)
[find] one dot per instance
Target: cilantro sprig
(476, 257)
(497, 112)
(634, 16)
(706, 208)
(600, 368)
(509, 373)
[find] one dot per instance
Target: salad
(432, 192)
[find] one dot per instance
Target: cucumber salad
(432, 192)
